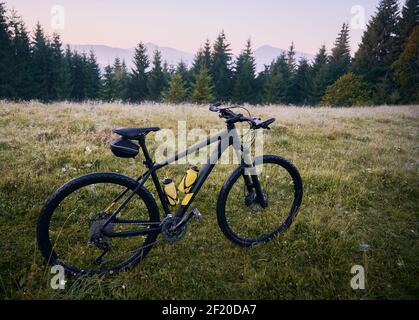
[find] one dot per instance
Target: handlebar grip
(213, 108)
(269, 121)
(264, 124)
(216, 104)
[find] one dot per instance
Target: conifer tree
(302, 84)
(176, 92)
(273, 89)
(203, 91)
(202, 59)
(220, 70)
(65, 88)
(320, 75)
(42, 65)
(409, 19)
(156, 80)
(120, 74)
(168, 71)
(278, 83)
(93, 82)
(406, 70)
(22, 60)
(182, 69)
(288, 74)
(261, 80)
(244, 77)
(137, 82)
(57, 65)
(6, 55)
(292, 64)
(108, 85)
(379, 48)
(340, 58)
(78, 68)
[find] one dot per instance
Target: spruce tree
(109, 87)
(57, 61)
(120, 74)
(65, 88)
(319, 75)
(203, 90)
(42, 65)
(260, 83)
(137, 82)
(288, 74)
(207, 55)
(406, 70)
(273, 89)
(176, 92)
(302, 84)
(292, 63)
(409, 19)
(340, 58)
(202, 59)
(277, 88)
(92, 77)
(22, 60)
(244, 77)
(220, 70)
(156, 80)
(168, 71)
(182, 69)
(79, 62)
(6, 55)
(379, 48)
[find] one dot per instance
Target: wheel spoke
(78, 230)
(244, 220)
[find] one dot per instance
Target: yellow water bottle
(188, 180)
(171, 192)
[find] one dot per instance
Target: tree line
(384, 70)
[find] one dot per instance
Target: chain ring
(167, 231)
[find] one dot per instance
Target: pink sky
(185, 24)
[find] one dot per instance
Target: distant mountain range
(106, 55)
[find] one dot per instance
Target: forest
(384, 69)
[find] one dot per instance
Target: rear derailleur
(97, 227)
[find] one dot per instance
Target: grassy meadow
(360, 172)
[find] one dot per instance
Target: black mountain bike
(107, 222)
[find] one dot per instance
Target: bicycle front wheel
(240, 216)
(71, 228)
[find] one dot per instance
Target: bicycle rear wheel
(69, 230)
(242, 219)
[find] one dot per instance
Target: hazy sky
(185, 24)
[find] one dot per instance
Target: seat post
(148, 160)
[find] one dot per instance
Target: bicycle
(102, 214)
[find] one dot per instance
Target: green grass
(360, 172)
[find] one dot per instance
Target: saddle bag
(124, 148)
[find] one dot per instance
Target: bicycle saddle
(134, 133)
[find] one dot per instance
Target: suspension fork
(251, 178)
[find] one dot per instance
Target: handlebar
(232, 118)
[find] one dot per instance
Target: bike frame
(225, 139)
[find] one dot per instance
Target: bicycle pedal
(197, 215)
